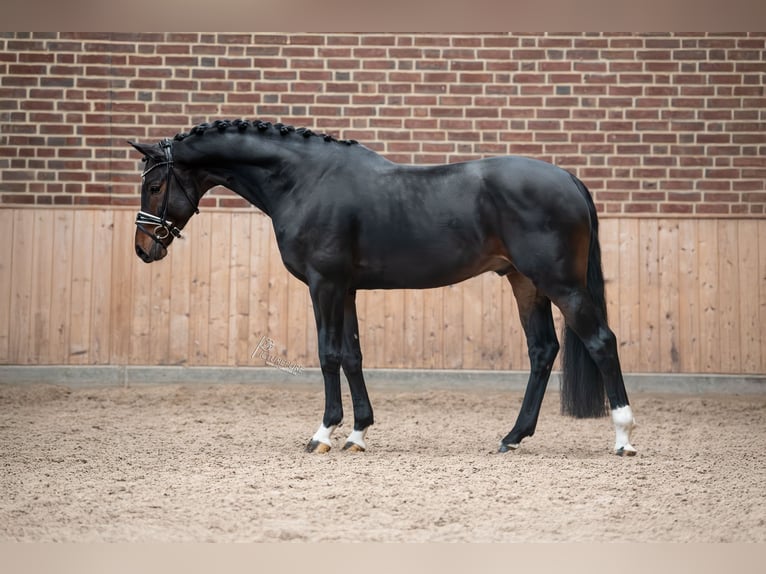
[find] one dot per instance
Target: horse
(346, 218)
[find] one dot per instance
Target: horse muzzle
(155, 252)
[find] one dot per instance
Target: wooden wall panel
(728, 295)
(668, 272)
(43, 290)
(689, 298)
(6, 271)
(180, 300)
(750, 341)
(710, 358)
(683, 295)
(22, 267)
(100, 316)
(120, 284)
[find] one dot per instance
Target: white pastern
(324, 435)
(357, 437)
(623, 426)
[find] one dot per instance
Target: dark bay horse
(346, 219)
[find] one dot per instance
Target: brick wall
(654, 124)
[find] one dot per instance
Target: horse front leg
(327, 299)
(352, 367)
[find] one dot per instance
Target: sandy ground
(226, 463)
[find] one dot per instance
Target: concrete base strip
(395, 379)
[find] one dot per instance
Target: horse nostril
(145, 257)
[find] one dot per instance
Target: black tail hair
(582, 387)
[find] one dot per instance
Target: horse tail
(582, 387)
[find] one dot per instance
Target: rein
(162, 227)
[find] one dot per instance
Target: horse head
(167, 201)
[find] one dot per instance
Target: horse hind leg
(542, 345)
(589, 324)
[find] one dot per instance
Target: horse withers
(346, 219)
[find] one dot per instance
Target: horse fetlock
(624, 423)
(355, 441)
(321, 442)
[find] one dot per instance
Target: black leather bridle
(161, 227)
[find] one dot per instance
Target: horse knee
(330, 362)
(352, 363)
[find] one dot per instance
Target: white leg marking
(357, 437)
(623, 426)
(324, 435)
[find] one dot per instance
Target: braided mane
(260, 126)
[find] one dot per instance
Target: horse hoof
(507, 447)
(317, 446)
(625, 451)
(353, 447)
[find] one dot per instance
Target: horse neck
(259, 168)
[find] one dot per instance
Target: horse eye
(154, 188)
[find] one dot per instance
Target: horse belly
(423, 264)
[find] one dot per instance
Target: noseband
(161, 226)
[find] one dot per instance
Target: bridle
(161, 226)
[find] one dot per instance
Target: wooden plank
(121, 281)
(558, 322)
(258, 315)
(21, 279)
(433, 328)
(141, 339)
(670, 360)
(689, 290)
(239, 291)
(6, 264)
(374, 334)
(361, 314)
(472, 323)
(504, 318)
(312, 348)
(629, 319)
(82, 273)
(101, 296)
(162, 283)
(63, 254)
(42, 287)
(649, 283)
(491, 319)
(710, 349)
(728, 300)
(609, 238)
(513, 333)
(413, 334)
(750, 323)
(393, 327)
(296, 341)
(278, 293)
(452, 314)
(199, 294)
(180, 306)
(220, 270)
(762, 289)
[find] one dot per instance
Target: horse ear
(147, 150)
